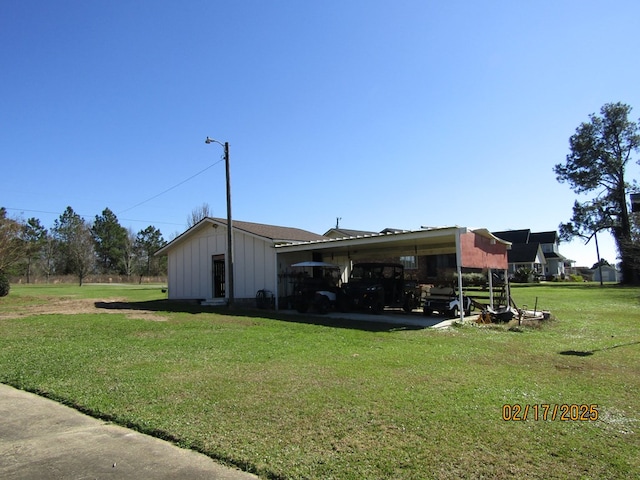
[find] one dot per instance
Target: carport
(473, 248)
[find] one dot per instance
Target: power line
(170, 188)
(46, 211)
(89, 217)
(136, 205)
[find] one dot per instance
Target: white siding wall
(190, 264)
(190, 268)
(255, 265)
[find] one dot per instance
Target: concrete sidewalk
(42, 439)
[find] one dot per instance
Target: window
(409, 261)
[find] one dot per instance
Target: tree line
(74, 246)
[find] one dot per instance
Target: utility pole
(229, 287)
(229, 226)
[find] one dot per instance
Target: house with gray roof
(537, 251)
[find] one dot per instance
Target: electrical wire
(91, 217)
(170, 188)
(137, 204)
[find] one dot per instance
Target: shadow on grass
(587, 353)
(155, 306)
(194, 308)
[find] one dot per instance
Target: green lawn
(296, 397)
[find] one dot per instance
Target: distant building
(609, 274)
(345, 233)
(535, 251)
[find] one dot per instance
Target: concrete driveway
(42, 439)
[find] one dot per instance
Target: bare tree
(11, 244)
(47, 261)
(129, 252)
(198, 214)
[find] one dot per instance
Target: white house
(197, 258)
(537, 252)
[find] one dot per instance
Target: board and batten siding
(190, 265)
(255, 265)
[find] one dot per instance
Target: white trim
(459, 269)
(276, 281)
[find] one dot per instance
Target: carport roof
(432, 241)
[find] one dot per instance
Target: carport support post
(459, 267)
(490, 276)
(276, 283)
(460, 295)
(507, 289)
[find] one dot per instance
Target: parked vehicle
(445, 301)
(316, 285)
(374, 286)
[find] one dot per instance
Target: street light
(229, 223)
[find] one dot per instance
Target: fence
(72, 279)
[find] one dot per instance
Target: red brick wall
(480, 252)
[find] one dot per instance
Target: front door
(218, 276)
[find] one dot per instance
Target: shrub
(4, 285)
(474, 279)
(523, 275)
(468, 279)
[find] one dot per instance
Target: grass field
(296, 397)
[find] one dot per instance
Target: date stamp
(565, 412)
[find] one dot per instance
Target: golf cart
(445, 301)
(316, 285)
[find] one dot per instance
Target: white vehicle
(445, 301)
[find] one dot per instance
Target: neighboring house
(263, 255)
(345, 233)
(535, 251)
(555, 262)
(527, 256)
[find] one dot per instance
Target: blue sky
(383, 113)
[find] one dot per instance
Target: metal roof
(433, 241)
(274, 233)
